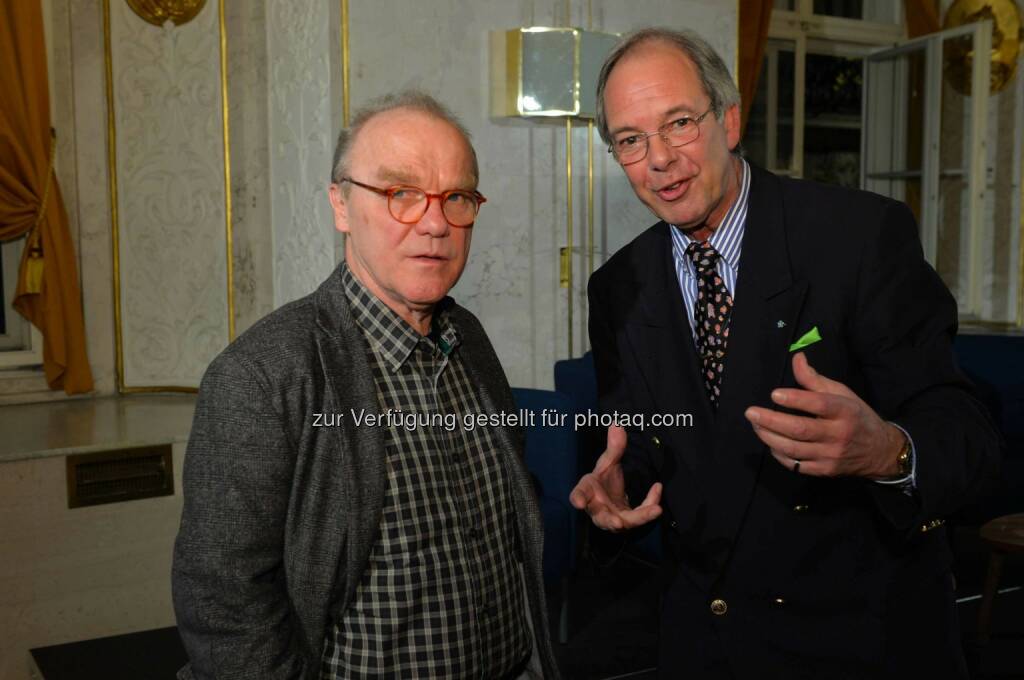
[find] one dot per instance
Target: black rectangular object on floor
(148, 655)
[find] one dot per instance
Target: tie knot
(703, 255)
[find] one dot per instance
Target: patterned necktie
(711, 313)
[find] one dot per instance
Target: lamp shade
(542, 71)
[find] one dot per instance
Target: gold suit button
(800, 508)
(656, 441)
(719, 607)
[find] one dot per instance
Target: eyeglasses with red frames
(408, 204)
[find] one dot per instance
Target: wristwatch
(904, 460)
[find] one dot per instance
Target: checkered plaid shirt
(441, 596)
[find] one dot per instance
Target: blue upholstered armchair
(551, 455)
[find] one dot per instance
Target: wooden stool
(1004, 535)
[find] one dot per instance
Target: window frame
(30, 354)
(815, 34)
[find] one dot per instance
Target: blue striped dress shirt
(727, 240)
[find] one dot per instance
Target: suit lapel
(768, 303)
(663, 344)
(361, 471)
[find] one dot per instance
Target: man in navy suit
(832, 433)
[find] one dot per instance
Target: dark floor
(613, 627)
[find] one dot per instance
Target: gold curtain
(922, 17)
(755, 15)
(30, 201)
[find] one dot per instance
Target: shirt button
(719, 607)
(778, 602)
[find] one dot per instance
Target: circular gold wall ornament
(157, 12)
(1006, 40)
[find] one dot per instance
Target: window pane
(754, 136)
(851, 9)
(768, 138)
(880, 11)
(787, 81)
(832, 110)
(894, 127)
(15, 334)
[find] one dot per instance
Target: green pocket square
(809, 338)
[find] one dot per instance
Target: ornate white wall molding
(301, 143)
(170, 167)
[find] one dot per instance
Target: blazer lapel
(361, 468)
(662, 340)
(763, 324)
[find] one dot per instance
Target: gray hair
(406, 99)
(714, 74)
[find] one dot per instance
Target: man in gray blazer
(340, 520)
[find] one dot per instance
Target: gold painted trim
(229, 236)
(345, 57)
(115, 242)
(568, 224)
(112, 179)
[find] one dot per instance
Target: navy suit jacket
(821, 577)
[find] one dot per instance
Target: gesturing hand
(602, 492)
(841, 436)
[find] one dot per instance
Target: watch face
(904, 459)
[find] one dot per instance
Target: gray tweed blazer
(280, 515)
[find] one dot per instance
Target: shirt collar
(727, 239)
(388, 334)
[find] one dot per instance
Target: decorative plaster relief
(301, 145)
(170, 177)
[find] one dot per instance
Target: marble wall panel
(1000, 242)
(171, 204)
(91, 181)
(301, 138)
(250, 161)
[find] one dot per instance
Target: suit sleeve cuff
(908, 483)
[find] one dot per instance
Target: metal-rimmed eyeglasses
(632, 148)
(408, 204)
